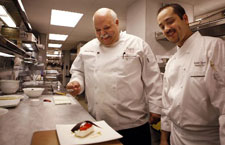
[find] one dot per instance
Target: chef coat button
(181, 87)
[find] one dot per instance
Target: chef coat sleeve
(152, 80)
(77, 71)
(165, 121)
(215, 82)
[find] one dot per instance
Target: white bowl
(33, 92)
(9, 86)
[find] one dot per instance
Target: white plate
(102, 134)
(12, 101)
(11, 97)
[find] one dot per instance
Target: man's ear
(117, 22)
(185, 18)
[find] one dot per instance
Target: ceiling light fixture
(54, 45)
(65, 18)
(21, 5)
(53, 55)
(59, 37)
(29, 46)
(6, 17)
(29, 26)
(56, 52)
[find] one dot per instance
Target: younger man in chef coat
(193, 85)
(121, 79)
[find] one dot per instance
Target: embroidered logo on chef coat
(129, 53)
(199, 68)
(91, 51)
(199, 63)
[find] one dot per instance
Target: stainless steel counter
(19, 124)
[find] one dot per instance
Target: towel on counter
(61, 100)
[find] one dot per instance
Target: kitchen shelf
(9, 47)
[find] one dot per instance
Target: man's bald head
(104, 12)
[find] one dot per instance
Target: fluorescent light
(56, 52)
(199, 19)
(6, 17)
(65, 18)
(28, 45)
(57, 37)
(29, 26)
(6, 55)
(21, 5)
(54, 45)
(53, 55)
(30, 48)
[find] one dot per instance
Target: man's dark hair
(177, 9)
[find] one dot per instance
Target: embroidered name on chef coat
(129, 53)
(199, 63)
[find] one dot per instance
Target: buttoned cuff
(165, 122)
(155, 108)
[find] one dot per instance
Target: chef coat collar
(185, 48)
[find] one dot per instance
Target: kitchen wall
(142, 22)
(136, 19)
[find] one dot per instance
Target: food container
(33, 92)
(9, 86)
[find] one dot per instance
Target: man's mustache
(104, 36)
(170, 31)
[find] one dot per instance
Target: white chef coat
(194, 93)
(119, 81)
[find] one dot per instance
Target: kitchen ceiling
(39, 13)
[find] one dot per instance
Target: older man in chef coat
(121, 79)
(193, 85)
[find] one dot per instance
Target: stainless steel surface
(214, 28)
(19, 124)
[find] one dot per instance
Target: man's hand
(154, 118)
(164, 137)
(73, 88)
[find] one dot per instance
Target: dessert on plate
(84, 128)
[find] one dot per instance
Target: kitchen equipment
(9, 103)
(33, 92)
(9, 86)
